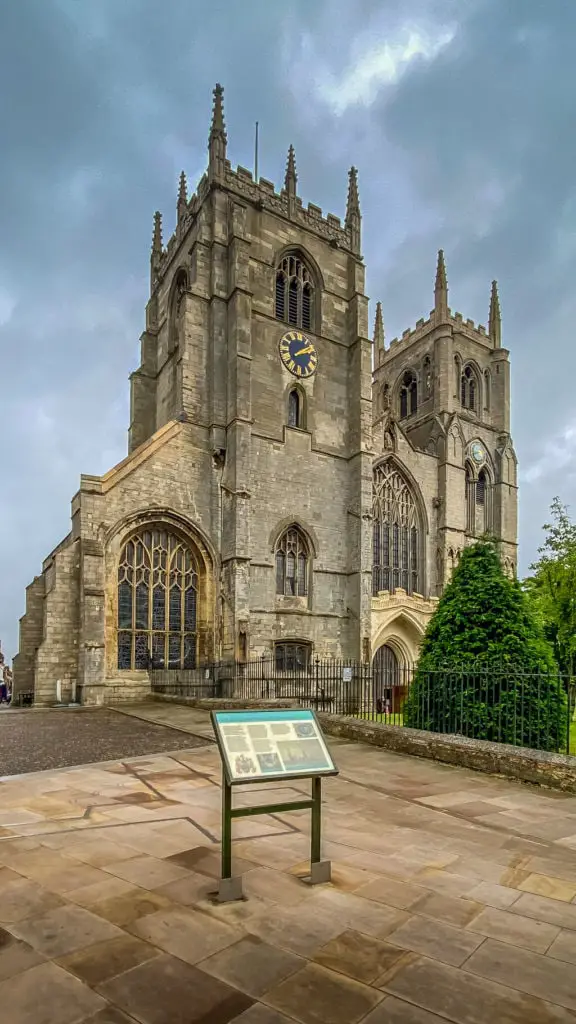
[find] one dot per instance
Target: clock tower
(257, 337)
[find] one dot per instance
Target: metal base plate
(230, 889)
(320, 871)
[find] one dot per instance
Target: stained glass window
(292, 564)
(157, 602)
(396, 532)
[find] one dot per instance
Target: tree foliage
(551, 589)
(485, 668)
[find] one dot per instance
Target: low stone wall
(222, 703)
(558, 771)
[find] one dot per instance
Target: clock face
(477, 452)
(298, 354)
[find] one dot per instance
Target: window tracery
(292, 563)
(408, 394)
(295, 292)
(478, 502)
(469, 389)
(157, 602)
(396, 550)
(292, 656)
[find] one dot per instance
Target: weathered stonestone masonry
(558, 771)
(230, 448)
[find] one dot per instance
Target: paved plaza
(38, 740)
(453, 895)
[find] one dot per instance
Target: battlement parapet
(263, 193)
(265, 197)
(410, 335)
(467, 327)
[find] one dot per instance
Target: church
(293, 488)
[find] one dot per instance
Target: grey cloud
(485, 139)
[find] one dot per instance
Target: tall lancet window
(483, 512)
(397, 535)
(470, 501)
(408, 394)
(295, 292)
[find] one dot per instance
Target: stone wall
(31, 629)
(558, 771)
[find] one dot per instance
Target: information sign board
(259, 746)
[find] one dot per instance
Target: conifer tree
(485, 669)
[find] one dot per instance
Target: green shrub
(485, 669)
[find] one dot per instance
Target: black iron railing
(497, 703)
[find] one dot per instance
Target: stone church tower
(445, 470)
(279, 498)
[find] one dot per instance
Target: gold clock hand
(304, 351)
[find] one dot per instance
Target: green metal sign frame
(320, 871)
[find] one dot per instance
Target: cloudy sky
(459, 114)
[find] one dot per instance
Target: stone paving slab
(108, 874)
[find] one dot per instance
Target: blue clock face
(298, 354)
(477, 452)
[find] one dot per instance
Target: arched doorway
(389, 681)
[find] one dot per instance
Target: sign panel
(258, 746)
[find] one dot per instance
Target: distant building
(5, 673)
(292, 488)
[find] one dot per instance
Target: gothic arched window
(483, 512)
(292, 563)
(470, 500)
(408, 394)
(469, 389)
(457, 375)
(295, 408)
(397, 542)
(157, 601)
(487, 383)
(427, 376)
(481, 489)
(295, 292)
(176, 307)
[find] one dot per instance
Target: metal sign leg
(320, 870)
(229, 888)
